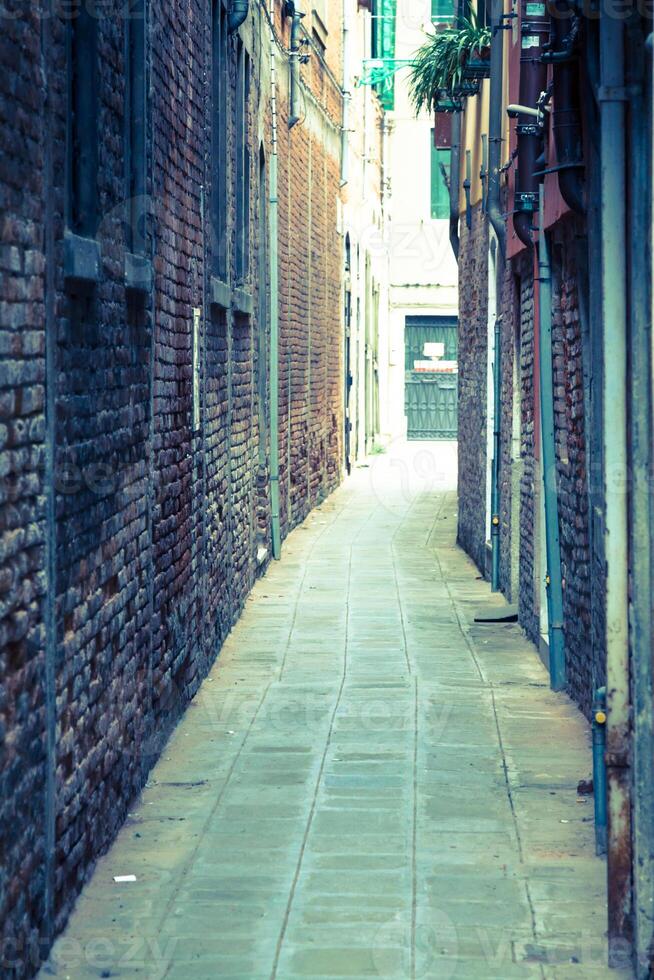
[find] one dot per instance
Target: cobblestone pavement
(368, 784)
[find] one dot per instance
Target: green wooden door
(431, 385)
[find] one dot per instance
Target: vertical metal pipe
(548, 440)
(455, 177)
(496, 219)
(614, 428)
(274, 303)
(347, 98)
(497, 433)
(640, 340)
(599, 768)
(294, 65)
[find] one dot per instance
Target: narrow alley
(367, 783)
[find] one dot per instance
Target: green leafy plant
(439, 65)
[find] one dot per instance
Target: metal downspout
(274, 303)
(347, 98)
(455, 190)
(553, 543)
(294, 64)
(496, 218)
(640, 339)
(566, 116)
(238, 11)
(534, 37)
(612, 98)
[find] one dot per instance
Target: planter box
(477, 68)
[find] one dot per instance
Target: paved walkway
(367, 785)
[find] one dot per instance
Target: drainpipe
(496, 218)
(534, 37)
(599, 769)
(238, 11)
(612, 99)
(294, 63)
(455, 190)
(639, 149)
(566, 118)
(274, 303)
(553, 544)
(347, 97)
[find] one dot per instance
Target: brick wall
(160, 528)
(530, 483)
(22, 499)
(473, 365)
(585, 655)
(521, 556)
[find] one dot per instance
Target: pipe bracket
(617, 93)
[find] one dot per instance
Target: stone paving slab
(368, 784)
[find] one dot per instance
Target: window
(219, 140)
(82, 129)
(440, 193)
(135, 126)
(319, 25)
(442, 11)
(383, 46)
(242, 169)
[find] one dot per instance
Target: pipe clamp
(617, 93)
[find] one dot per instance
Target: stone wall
(130, 536)
(473, 366)
(522, 561)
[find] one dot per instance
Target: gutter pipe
(553, 544)
(612, 97)
(599, 769)
(639, 149)
(347, 98)
(534, 38)
(274, 303)
(294, 63)
(497, 221)
(566, 118)
(238, 11)
(455, 168)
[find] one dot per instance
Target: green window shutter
(442, 11)
(440, 195)
(383, 46)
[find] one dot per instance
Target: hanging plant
(440, 64)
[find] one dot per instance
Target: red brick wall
(473, 367)
(158, 527)
(520, 520)
(22, 500)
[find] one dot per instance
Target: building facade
(555, 218)
(423, 293)
(171, 387)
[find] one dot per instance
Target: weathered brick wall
(584, 655)
(529, 589)
(473, 362)
(585, 658)
(22, 501)
(510, 437)
(158, 527)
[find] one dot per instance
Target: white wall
(422, 269)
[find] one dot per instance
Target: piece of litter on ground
(121, 878)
